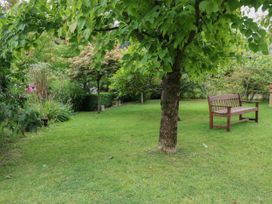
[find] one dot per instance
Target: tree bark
(98, 96)
(170, 106)
(142, 98)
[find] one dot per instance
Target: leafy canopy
(205, 30)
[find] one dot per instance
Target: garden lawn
(113, 157)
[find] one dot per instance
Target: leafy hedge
(90, 101)
(14, 119)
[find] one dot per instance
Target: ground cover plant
(113, 158)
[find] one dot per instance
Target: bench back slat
(232, 100)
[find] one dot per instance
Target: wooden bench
(228, 106)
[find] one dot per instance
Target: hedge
(90, 101)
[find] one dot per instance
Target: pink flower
(30, 88)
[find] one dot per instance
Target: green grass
(113, 158)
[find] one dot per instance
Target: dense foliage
(249, 76)
(87, 67)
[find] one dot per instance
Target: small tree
(85, 68)
(249, 76)
(133, 82)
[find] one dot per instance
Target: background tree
(86, 68)
(133, 82)
(135, 78)
(248, 76)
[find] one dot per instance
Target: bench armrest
(256, 103)
(220, 106)
(245, 101)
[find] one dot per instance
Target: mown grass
(113, 158)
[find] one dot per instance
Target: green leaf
(233, 4)
(254, 47)
(81, 23)
(72, 27)
(87, 33)
(209, 6)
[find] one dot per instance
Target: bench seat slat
(236, 110)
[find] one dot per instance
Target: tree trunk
(142, 98)
(98, 96)
(169, 106)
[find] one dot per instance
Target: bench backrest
(232, 100)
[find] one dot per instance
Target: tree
(134, 78)
(133, 82)
(178, 35)
(85, 67)
(248, 76)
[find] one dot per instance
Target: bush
(52, 110)
(29, 119)
(106, 99)
(90, 101)
(15, 120)
(66, 91)
(77, 98)
(57, 111)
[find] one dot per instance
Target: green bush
(56, 111)
(29, 119)
(66, 91)
(106, 99)
(15, 120)
(53, 110)
(90, 101)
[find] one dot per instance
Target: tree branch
(106, 29)
(140, 35)
(197, 24)
(149, 35)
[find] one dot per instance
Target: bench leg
(257, 116)
(257, 113)
(240, 117)
(211, 121)
(228, 123)
(228, 118)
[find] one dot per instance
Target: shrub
(90, 101)
(77, 95)
(66, 91)
(53, 110)
(29, 120)
(106, 99)
(57, 111)
(15, 120)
